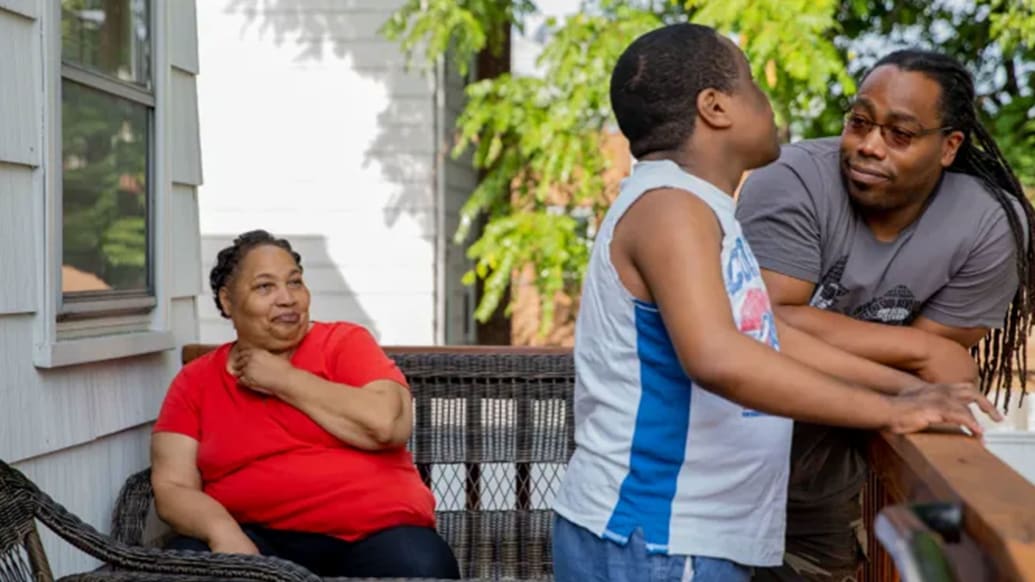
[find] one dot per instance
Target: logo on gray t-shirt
(897, 306)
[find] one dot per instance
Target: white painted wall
(311, 128)
(79, 431)
(1013, 440)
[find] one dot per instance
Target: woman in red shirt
(291, 440)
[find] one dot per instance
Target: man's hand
(947, 362)
(921, 407)
(260, 370)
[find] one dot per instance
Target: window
(107, 189)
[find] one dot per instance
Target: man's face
(890, 167)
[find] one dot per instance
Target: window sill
(97, 349)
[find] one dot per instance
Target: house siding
(20, 69)
(460, 180)
(340, 158)
(18, 286)
(79, 431)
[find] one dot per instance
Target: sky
(558, 7)
(525, 49)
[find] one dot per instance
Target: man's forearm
(825, 357)
(897, 346)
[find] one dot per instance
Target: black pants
(398, 552)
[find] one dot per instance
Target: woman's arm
(373, 417)
(183, 505)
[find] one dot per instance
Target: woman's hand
(182, 504)
(260, 370)
(233, 542)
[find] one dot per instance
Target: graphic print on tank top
(751, 308)
(752, 311)
(897, 306)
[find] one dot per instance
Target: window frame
(110, 324)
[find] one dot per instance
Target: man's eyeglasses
(896, 136)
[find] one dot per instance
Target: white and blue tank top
(698, 474)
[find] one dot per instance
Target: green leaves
(428, 29)
(549, 239)
(1013, 22)
(540, 141)
(789, 44)
(124, 239)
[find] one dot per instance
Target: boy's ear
(714, 107)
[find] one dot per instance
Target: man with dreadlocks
(906, 241)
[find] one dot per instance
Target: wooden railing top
(998, 503)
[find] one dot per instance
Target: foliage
(433, 27)
(1013, 22)
(105, 187)
(790, 47)
(538, 140)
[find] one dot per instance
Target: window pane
(109, 36)
(105, 143)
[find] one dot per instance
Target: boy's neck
(706, 167)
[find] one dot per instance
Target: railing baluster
(879, 567)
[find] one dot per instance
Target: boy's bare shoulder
(668, 211)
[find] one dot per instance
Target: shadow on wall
(316, 27)
(332, 298)
(404, 147)
(406, 152)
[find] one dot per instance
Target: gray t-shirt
(955, 265)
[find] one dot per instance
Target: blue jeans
(581, 556)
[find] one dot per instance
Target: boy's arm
(827, 358)
(918, 349)
(673, 241)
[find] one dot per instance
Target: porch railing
(997, 538)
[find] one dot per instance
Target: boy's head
(686, 79)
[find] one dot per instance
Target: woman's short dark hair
(655, 83)
(230, 257)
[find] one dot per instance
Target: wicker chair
(22, 558)
(493, 432)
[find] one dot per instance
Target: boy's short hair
(656, 81)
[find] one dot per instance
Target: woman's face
(267, 300)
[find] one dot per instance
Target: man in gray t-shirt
(876, 244)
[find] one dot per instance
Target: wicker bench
(493, 431)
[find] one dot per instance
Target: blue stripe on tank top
(659, 436)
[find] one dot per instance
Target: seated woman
(291, 440)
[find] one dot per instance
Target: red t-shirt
(268, 463)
